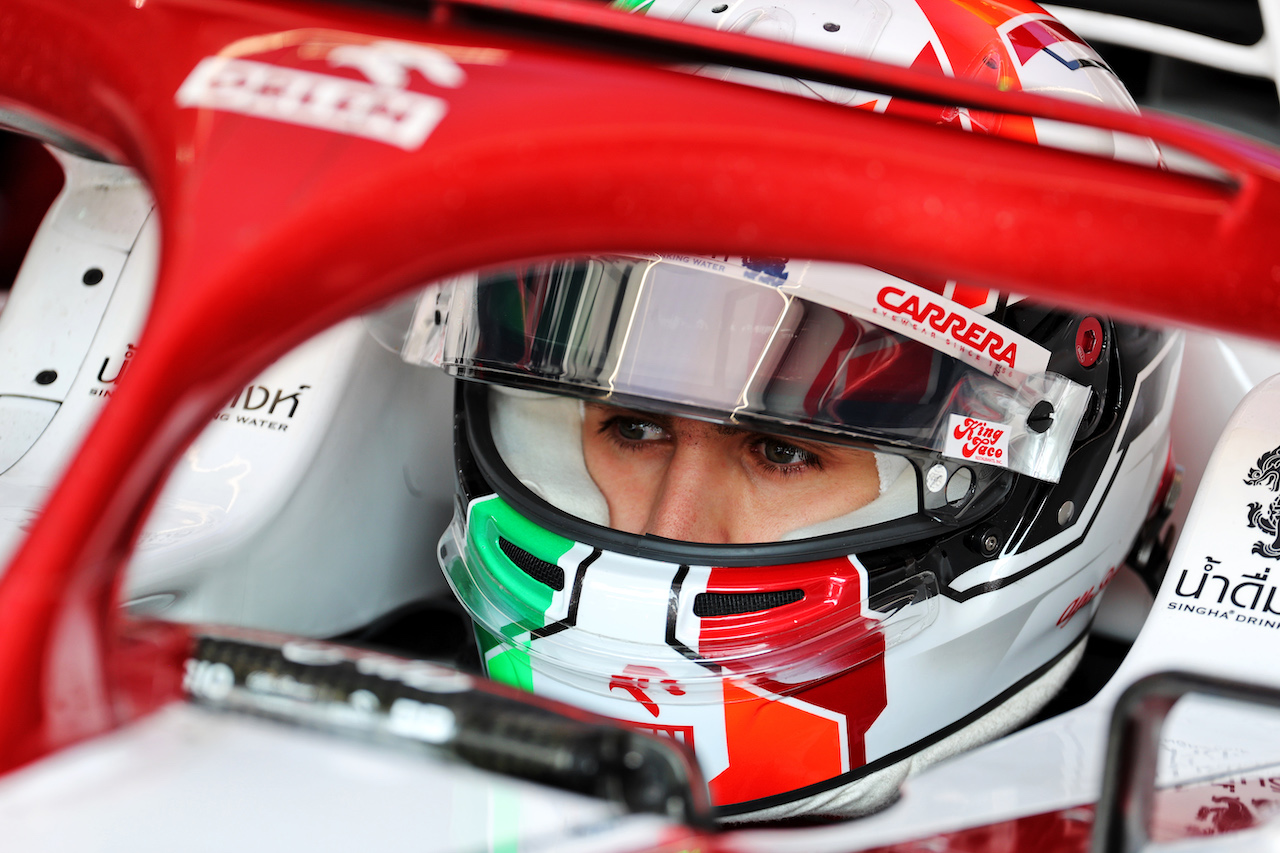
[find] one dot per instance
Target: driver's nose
(691, 503)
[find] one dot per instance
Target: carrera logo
(979, 440)
(956, 327)
(383, 109)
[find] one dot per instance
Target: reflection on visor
(706, 342)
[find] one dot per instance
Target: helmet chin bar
(779, 628)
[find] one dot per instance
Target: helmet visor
(714, 340)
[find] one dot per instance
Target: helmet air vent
(540, 570)
(734, 603)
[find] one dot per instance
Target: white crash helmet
(1017, 447)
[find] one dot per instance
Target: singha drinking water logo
(1237, 588)
(1266, 474)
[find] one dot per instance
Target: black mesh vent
(540, 570)
(732, 603)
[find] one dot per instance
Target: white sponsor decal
(383, 110)
(921, 314)
(977, 440)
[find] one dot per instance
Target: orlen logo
(979, 440)
(383, 109)
(949, 323)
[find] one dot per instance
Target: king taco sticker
(977, 440)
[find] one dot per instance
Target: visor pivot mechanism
(1041, 417)
(1089, 341)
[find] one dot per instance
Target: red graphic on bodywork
(1201, 809)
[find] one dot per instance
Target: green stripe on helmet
(494, 519)
(508, 665)
(492, 576)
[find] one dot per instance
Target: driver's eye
(780, 453)
(634, 430)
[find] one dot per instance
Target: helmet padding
(539, 437)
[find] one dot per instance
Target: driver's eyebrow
(611, 411)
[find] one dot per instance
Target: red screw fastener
(1088, 341)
